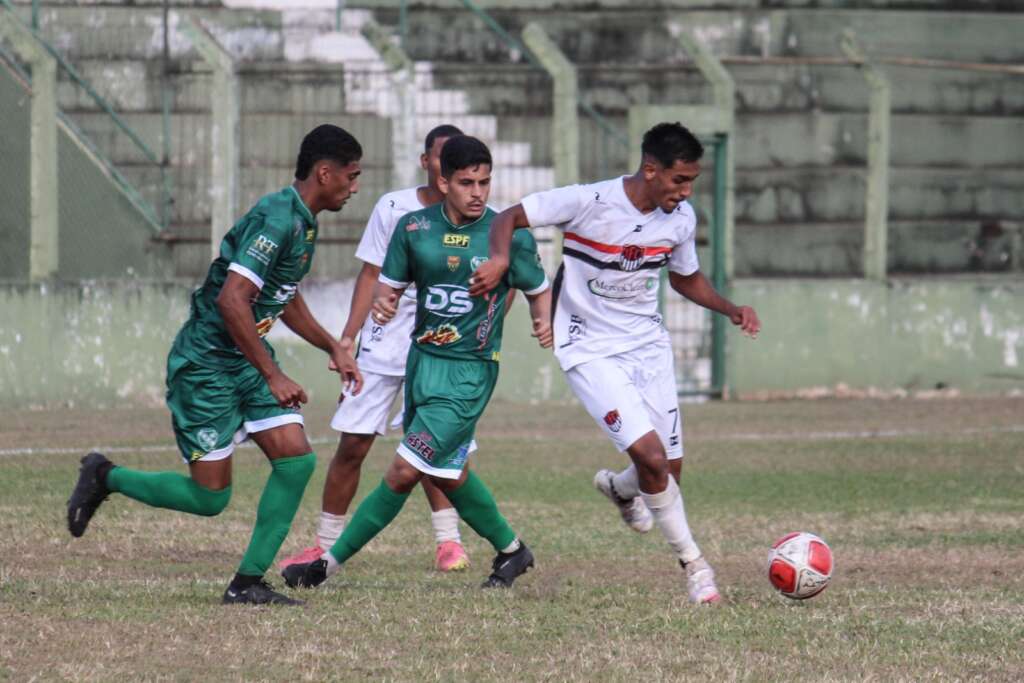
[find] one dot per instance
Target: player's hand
(347, 345)
(542, 331)
(384, 308)
(487, 276)
(345, 365)
(747, 319)
(288, 393)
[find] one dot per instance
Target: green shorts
(212, 410)
(444, 398)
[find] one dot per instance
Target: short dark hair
(326, 142)
(445, 130)
(463, 151)
(671, 142)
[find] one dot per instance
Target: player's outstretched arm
(233, 305)
(489, 274)
(362, 301)
(540, 314)
(385, 302)
(697, 289)
(300, 320)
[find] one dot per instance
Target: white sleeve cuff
(544, 285)
(247, 274)
(395, 284)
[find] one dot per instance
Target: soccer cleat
(451, 557)
(305, 556)
(305, 574)
(700, 582)
(634, 513)
(90, 491)
(507, 566)
(261, 593)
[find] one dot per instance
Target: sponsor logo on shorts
(632, 257)
(207, 438)
(613, 420)
(619, 290)
(477, 261)
(420, 444)
(454, 262)
(456, 240)
(442, 335)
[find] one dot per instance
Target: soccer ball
(800, 565)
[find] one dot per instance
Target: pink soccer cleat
(305, 556)
(451, 557)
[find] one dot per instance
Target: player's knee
(402, 477)
(212, 502)
(351, 452)
(296, 470)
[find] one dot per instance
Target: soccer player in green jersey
(452, 365)
(223, 383)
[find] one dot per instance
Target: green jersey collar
(303, 209)
(444, 216)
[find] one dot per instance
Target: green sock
(373, 514)
(168, 490)
(280, 499)
(477, 508)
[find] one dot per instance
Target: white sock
(332, 564)
(669, 515)
(446, 525)
(329, 529)
(627, 483)
(512, 547)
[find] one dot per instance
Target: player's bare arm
(297, 316)
(385, 302)
(697, 289)
(234, 307)
(540, 314)
(489, 274)
(362, 301)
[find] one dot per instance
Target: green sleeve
(260, 246)
(526, 272)
(397, 269)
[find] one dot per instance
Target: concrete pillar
(402, 76)
(224, 130)
(565, 135)
(44, 233)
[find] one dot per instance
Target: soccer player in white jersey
(609, 339)
(381, 358)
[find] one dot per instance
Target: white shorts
(367, 413)
(631, 394)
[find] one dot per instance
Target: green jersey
(271, 246)
(428, 250)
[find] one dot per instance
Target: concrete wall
(106, 343)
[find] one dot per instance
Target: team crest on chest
(632, 257)
(454, 262)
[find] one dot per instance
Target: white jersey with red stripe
(383, 348)
(606, 291)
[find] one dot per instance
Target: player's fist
(288, 393)
(384, 308)
(747, 319)
(345, 365)
(487, 276)
(542, 331)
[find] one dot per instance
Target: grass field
(921, 501)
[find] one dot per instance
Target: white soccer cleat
(634, 513)
(700, 582)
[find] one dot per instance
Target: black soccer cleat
(305, 575)
(90, 491)
(260, 593)
(507, 566)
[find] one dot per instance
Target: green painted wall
(914, 335)
(105, 344)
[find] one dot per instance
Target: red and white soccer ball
(800, 565)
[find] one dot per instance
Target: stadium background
(876, 268)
